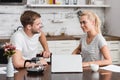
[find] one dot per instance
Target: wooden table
(87, 74)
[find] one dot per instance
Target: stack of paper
(113, 68)
(2, 70)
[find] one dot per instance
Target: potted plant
(9, 50)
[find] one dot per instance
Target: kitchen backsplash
(55, 20)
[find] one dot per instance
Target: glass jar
(66, 2)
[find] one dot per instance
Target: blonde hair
(92, 16)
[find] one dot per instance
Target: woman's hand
(85, 64)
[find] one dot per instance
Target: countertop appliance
(12, 2)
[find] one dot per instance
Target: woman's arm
(106, 61)
(77, 50)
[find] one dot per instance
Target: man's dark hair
(28, 17)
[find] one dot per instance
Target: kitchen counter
(112, 38)
(65, 37)
(4, 39)
(49, 38)
(108, 38)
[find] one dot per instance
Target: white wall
(9, 19)
(112, 18)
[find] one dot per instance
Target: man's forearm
(43, 42)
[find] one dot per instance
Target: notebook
(66, 63)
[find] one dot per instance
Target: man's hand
(46, 54)
(43, 62)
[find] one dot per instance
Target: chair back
(3, 59)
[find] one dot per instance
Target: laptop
(66, 63)
(67, 76)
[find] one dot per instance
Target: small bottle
(50, 1)
(37, 1)
(92, 1)
(54, 1)
(58, 2)
(66, 2)
(88, 2)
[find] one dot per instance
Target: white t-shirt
(28, 46)
(91, 52)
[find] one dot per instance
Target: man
(27, 39)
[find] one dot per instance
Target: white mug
(94, 67)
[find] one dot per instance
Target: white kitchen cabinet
(65, 43)
(65, 46)
(114, 51)
(61, 46)
(64, 51)
(52, 45)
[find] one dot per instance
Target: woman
(93, 46)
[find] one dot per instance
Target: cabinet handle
(114, 43)
(65, 50)
(115, 61)
(114, 50)
(65, 43)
